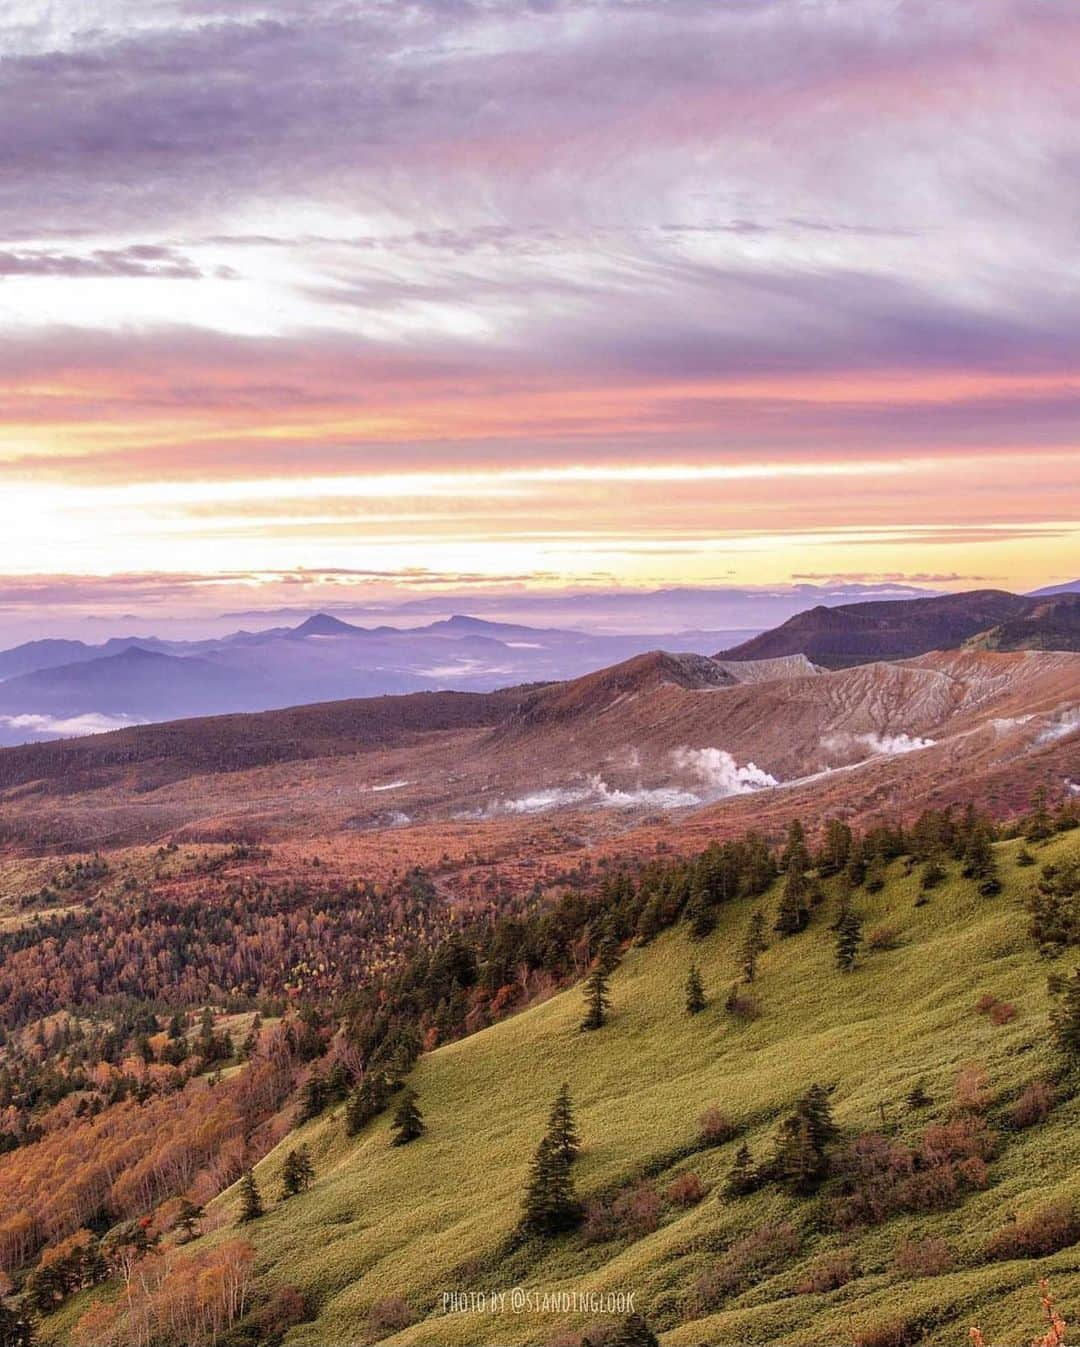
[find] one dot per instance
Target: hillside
(857, 633)
(413, 1222)
(1051, 624)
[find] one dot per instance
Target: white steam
(890, 745)
(712, 774)
(1058, 729)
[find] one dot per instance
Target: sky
(377, 298)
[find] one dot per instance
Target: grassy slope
(386, 1222)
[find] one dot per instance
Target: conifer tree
(367, 1101)
(189, 1216)
(551, 1205)
(918, 1097)
(408, 1123)
(741, 1179)
(695, 992)
(16, 1329)
(561, 1127)
(835, 849)
(1065, 1017)
(700, 910)
(874, 878)
(980, 864)
(848, 940)
(754, 944)
(795, 852)
(933, 872)
(793, 914)
(597, 999)
(251, 1204)
(297, 1172)
(1038, 825)
(800, 1158)
(634, 1332)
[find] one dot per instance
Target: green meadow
(435, 1216)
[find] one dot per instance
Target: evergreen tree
(980, 864)
(597, 999)
(367, 1101)
(651, 921)
(754, 944)
(918, 1097)
(1038, 826)
(297, 1173)
(800, 1158)
(634, 1332)
(551, 1205)
(795, 852)
(695, 992)
(561, 1127)
(793, 914)
(314, 1097)
(1066, 1018)
(835, 849)
(874, 878)
(15, 1328)
(848, 940)
(933, 872)
(408, 1121)
(742, 1178)
(188, 1219)
(251, 1204)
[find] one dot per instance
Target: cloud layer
(810, 264)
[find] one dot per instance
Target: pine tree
(561, 1127)
(835, 849)
(701, 910)
(848, 940)
(408, 1121)
(793, 914)
(251, 1204)
(367, 1101)
(1038, 825)
(634, 1332)
(874, 878)
(597, 999)
(551, 1205)
(695, 992)
(189, 1216)
(742, 1178)
(980, 864)
(795, 852)
(15, 1328)
(800, 1157)
(933, 872)
(754, 944)
(1065, 1017)
(297, 1173)
(918, 1097)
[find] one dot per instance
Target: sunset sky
(382, 297)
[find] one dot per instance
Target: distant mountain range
(53, 689)
(858, 633)
(59, 688)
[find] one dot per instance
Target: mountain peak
(322, 624)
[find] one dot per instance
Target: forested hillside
(828, 1094)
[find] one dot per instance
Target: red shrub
(1034, 1104)
(388, 1316)
(1045, 1231)
(829, 1273)
(685, 1190)
(637, 1211)
(715, 1127)
(763, 1251)
(888, 1333)
(923, 1257)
